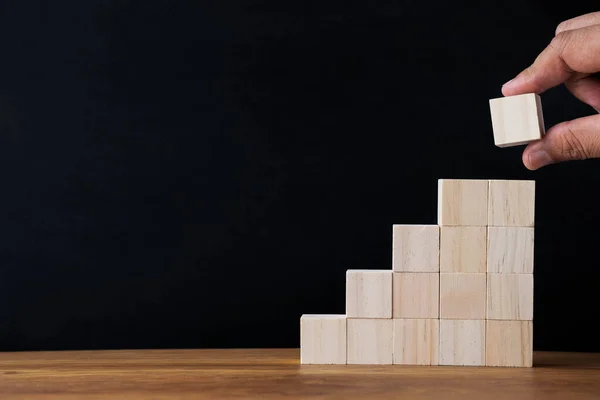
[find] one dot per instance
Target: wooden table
(276, 374)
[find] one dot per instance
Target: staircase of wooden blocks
(459, 292)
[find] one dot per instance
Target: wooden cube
(416, 341)
(517, 120)
(510, 297)
(462, 296)
(416, 295)
(511, 203)
(415, 248)
(462, 342)
(370, 341)
(462, 202)
(509, 344)
(323, 339)
(510, 250)
(463, 249)
(369, 293)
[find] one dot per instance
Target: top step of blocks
(511, 203)
(517, 120)
(463, 202)
(472, 202)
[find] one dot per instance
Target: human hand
(572, 58)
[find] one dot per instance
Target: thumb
(578, 139)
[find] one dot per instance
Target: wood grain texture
(323, 339)
(510, 250)
(462, 342)
(510, 297)
(511, 203)
(272, 374)
(416, 341)
(463, 249)
(370, 341)
(416, 295)
(509, 343)
(415, 248)
(369, 293)
(462, 202)
(517, 120)
(463, 296)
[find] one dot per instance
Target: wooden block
(511, 203)
(462, 296)
(510, 250)
(517, 120)
(462, 342)
(463, 249)
(416, 341)
(415, 248)
(369, 293)
(510, 297)
(416, 295)
(370, 341)
(509, 344)
(462, 202)
(323, 339)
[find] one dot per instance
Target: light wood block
(510, 250)
(370, 341)
(463, 249)
(323, 339)
(416, 341)
(462, 342)
(369, 293)
(510, 297)
(462, 202)
(416, 295)
(416, 248)
(517, 120)
(462, 296)
(511, 203)
(509, 344)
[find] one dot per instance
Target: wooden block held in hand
(517, 120)
(416, 295)
(463, 249)
(323, 339)
(510, 250)
(509, 344)
(510, 297)
(462, 202)
(370, 341)
(369, 293)
(511, 203)
(416, 341)
(416, 248)
(462, 296)
(462, 342)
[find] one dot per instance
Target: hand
(572, 58)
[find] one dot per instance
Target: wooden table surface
(277, 374)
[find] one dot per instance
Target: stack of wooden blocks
(459, 292)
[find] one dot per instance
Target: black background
(200, 173)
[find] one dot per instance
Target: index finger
(569, 52)
(581, 21)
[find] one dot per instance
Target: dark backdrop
(200, 173)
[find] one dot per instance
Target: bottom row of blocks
(335, 339)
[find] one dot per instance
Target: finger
(581, 21)
(578, 139)
(586, 89)
(567, 53)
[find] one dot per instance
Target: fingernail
(508, 83)
(539, 158)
